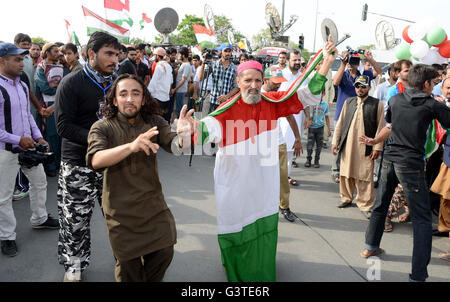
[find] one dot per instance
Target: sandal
(404, 218)
(444, 256)
(337, 180)
(293, 182)
(294, 164)
(388, 227)
(367, 254)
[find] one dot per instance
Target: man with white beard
(245, 127)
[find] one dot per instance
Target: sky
(46, 17)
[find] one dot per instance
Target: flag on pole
(205, 37)
(144, 20)
(118, 12)
(98, 23)
(73, 38)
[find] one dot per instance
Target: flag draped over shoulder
(247, 211)
(73, 38)
(205, 37)
(97, 23)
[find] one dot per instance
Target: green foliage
(369, 47)
(223, 24)
(136, 41)
(185, 34)
(39, 40)
(263, 39)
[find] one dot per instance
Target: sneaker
(288, 215)
(19, 194)
(50, 223)
(9, 248)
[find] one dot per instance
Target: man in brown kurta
(141, 227)
(360, 116)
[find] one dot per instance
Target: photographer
(18, 129)
(345, 80)
(224, 74)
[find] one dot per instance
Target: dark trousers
(315, 137)
(417, 194)
(148, 268)
(54, 140)
(167, 109)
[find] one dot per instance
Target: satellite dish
(385, 36)
(208, 17)
(231, 38)
(273, 18)
(329, 28)
(166, 22)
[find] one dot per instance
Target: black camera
(210, 54)
(34, 157)
(353, 57)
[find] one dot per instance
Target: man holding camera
(345, 79)
(18, 129)
(224, 74)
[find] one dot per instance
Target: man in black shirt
(76, 109)
(408, 118)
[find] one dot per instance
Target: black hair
(59, 44)
(123, 48)
(420, 74)
(282, 53)
(293, 52)
(438, 67)
(100, 39)
(196, 57)
(131, 49)
(70, 46)
(244, 55)
(140, 46)
(172, 51)
(19, 38)
(151, 105)
(184, 51)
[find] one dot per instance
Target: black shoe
(50, 223)
(344, 205)
(308, 164)
(440, 234)
(9, 248)
(325, 146)
(288, 215)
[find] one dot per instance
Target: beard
(363, 95)
(251, 98)
(296, 67)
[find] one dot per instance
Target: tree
(39, 40)
(137, 41)
(222, 26)
(262, 39)
(185, 34)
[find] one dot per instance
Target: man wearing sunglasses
(360, 114)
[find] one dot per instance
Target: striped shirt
(224, 80)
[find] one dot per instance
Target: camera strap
(7, 114)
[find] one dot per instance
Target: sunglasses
(357, 86)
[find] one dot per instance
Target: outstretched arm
(381, 137)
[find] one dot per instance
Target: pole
(315, 30)
(282, 18)
(391, 17)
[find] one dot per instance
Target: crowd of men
(105, 108)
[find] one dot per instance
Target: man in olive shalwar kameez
(140, 225)
(361, 115)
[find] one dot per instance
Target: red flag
(118, 5)
(146, 19)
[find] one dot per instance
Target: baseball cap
(275, 74)
(160, 52)
(363, 80)
(48, 46)
(11, 49)
(226, 46)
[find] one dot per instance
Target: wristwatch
(298, 141)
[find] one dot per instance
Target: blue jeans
(413, 181)
(179, 101)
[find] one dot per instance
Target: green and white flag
(73, 38)
(97, 23)
(118, 12)
(205, 37)
(144, 20)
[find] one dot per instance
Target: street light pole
(315, 30)
(282, 15)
